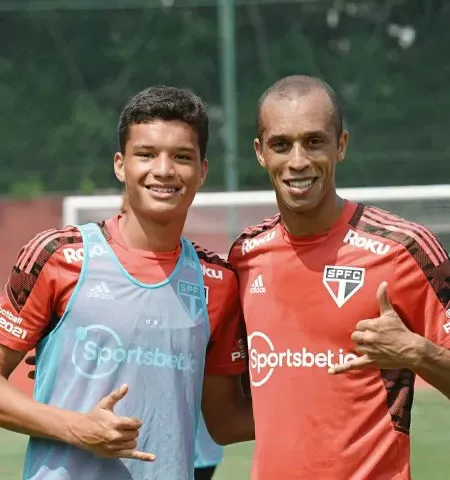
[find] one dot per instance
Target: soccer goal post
(217, 217)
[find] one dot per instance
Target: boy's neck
(143, 233)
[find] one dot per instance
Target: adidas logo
(100, 291)
(258, 285)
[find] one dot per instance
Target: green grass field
(430, 439)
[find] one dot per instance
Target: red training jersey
(302, 298)
(47, 269)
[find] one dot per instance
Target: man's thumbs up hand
(383, 342)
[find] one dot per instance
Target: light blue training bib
(118, 330)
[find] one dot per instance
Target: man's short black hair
(301, 85)
(165, 103)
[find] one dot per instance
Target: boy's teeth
(164, 190)
(300, 183)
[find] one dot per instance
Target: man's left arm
(226, 409)
(413, 329)
(422, 299)
(434, 365)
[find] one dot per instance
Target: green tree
(65, 75)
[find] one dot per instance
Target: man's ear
(343, 143)
(257, 145)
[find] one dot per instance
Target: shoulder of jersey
(213, 265)
(36, 253)
(393, 231)
(256, 235)
(34, 256)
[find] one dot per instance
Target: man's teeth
(300, 183)
(163, 189)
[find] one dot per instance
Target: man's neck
(143, 233)
(316, 221)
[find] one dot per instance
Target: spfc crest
(192, 296)
(342, 282)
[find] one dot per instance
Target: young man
(121, 318)
(343, 305)
(208, 455)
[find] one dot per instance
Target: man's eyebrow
(278, 136)
(311, 133)
(318, 133)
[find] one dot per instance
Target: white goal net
(216, 218)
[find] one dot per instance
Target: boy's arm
(227, 411)
(99, 431)
(26, 305)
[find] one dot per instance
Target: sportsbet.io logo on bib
(99, 351)
(265, 358)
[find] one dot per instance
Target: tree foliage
(65, 75)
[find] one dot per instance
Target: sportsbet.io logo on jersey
(265, 358)
(99, 351)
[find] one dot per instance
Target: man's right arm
(227, 411)
(26, 306)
